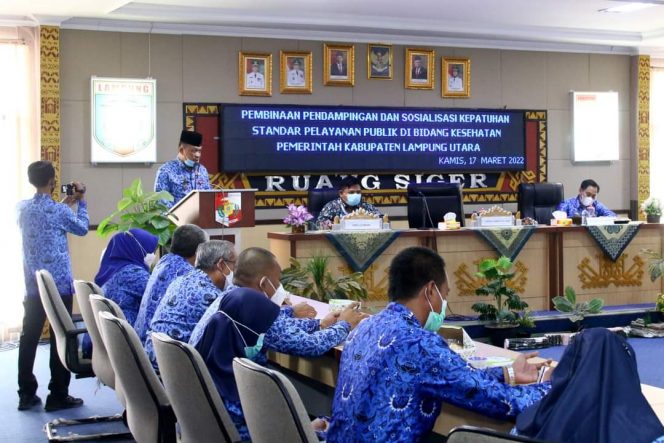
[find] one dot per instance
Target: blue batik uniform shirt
(178, 179)
(44, 225)
(167, 269)
(572, 206)
(126, 288)
(183, 305)
(394, 376)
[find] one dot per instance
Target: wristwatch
(511, 378)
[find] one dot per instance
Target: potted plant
(315, 281)
(139, 209)
(655, 269)
(505, 313)
(652, 206)
(577, 311)
(297, 218)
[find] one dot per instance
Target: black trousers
(33, 322)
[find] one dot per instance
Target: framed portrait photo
(379, 61)
(296, 72)
(455, 77)
(419, 68)
(338, 65)
(255, 74)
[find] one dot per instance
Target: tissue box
(458, 340)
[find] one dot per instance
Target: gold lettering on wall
(609, 272)
(466, 281)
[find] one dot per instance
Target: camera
(68, 189)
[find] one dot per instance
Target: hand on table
(525, 372)
(351, 314)
(304, 310)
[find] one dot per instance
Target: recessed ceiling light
(630, 7)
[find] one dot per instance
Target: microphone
(425, 212)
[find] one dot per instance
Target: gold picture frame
(455, 77)
(296, 72)
(379, 61)
(338, 65)
(255, 74)
(420, 68)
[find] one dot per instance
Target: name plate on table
(496, 221)
(600, 221)
(362, 224)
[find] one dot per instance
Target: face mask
(586, 201)
(251, 352)
(280, 294)
(189, 163)
(228, 278)
(149, 259)
(435, 319)
(354, 199)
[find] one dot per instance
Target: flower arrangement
(652, 206)
(297, 215)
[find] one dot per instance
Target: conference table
(546, 260)
(325, 369)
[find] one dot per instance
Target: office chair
(66, 338)
(150, 417)
(262, 392)
(201, 413)
(471, 434)
(539, 200)
(429, 202)
(318, 198)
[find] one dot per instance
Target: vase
(652, 218)
(297, 229)
(497, 333)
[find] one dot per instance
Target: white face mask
(149, 259)
(586, 201)
(280, 294)
(228, 281)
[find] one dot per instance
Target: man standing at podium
(185, 173)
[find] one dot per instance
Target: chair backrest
(200, 411)
(439, 198)
(66, 333)
(100, 303)
(150, 417)
(271, 405)
(471, 434)
(318, 198)
(100, 362)
(539, 200)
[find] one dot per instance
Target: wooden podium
(198, 208)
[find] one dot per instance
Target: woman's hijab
(243, 315)
(125, 248)
(595, 396)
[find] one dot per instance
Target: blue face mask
(252, 352)
(435, 319)
(353, 199)
(189, 163)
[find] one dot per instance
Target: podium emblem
(228, 208)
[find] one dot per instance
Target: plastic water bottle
(584, 217)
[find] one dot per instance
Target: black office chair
(539, 200)
(471, 434)
(318, 198)
(429, 202)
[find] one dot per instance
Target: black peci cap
(191, 138)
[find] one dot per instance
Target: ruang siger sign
(124, 120)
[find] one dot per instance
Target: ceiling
(550, 25)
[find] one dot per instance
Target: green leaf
(504, 263)
(164, 238)
(595, 305)
(486, 265)
(160, 222)
(562, 304)
(570, 295)
(124, 203)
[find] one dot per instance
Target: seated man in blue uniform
(245, 324)
(586, 200)
(396, 370)
(188, 296)
(179, 261)
(350, 199)
(185, 173)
